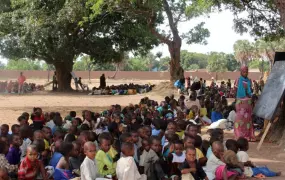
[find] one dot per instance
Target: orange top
(21, 79)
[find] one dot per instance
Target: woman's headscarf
(244, 69)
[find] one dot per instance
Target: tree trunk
(63, 70)
(277, 132)
(89, 71)
(176, 71)
(280, 4)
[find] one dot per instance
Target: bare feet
(278, 173)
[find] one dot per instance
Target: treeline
(213, 62)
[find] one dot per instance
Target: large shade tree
(168, 12)
(59, 31)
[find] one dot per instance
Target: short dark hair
(154, 138)
(58, 134)
(189, 137)
(69, 138)
(127, 145)
(66, 148)
(72, 113)
(242, 143)
(104, 136)
(40, 144)
(124, 137)
(231, 143)
(84, 127)
(14, 126)
(20, 118)
(198, 141)
(5, 125)
(179, 142)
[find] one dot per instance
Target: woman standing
(243, 126)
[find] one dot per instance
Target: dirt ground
(12, 105)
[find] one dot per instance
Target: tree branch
(170, 19)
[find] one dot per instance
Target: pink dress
(243, 126)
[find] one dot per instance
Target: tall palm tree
(243, 51)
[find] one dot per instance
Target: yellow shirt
(103, 159)
(47, 146)
(191, 115)
(112, 152)
(199, 154)
(180, 134)
(203, 112)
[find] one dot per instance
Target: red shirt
(21, 79)
(28, 170)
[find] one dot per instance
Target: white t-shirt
(178, 159)
(242, 156)
(212, 164)
(232, 116)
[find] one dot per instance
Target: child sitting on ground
(231, 159)
(74, 161)
(14, 154)
(126, 166)
(176, 157)
(106, 166)
(244, 158)
(62, 170)
(88, 168)
(191, 166)
(30, 165)
(3, 161)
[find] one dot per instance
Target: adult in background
(102, 82)
(243, 126)
(21, 80)
(54, 82)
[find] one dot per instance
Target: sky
(222, 35)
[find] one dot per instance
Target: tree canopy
(157, 12)
(58, 31)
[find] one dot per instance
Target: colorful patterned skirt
(243, 126)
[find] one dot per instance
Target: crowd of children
(123, 89)
(12, 87)
(143, 141)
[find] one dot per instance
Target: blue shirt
(14, 156)
(209, 152)
(55, 158)
(241, 91)
(155, 132)
(215, 116)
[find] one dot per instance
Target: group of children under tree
(143, 141)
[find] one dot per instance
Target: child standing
(14, 154)
(191, 166)
(88, 168)
(106, 166)
(30, 166)
(126, 166)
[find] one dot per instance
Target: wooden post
(263, 136)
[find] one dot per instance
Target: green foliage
(260, 65)
(232, 63)
(261, 19)
(187, 59)
(23, 64)
(194, 67)
(217, 62)
(244, 51)
(58, 31)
